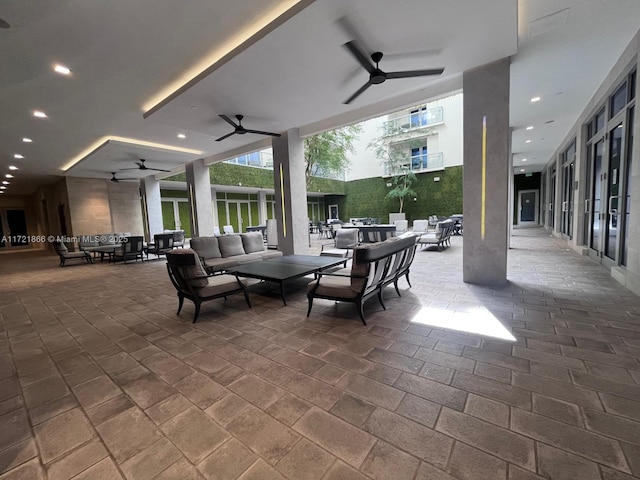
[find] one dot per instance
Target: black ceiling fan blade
(357, 94)
(225, 136)
(228, 120)
(157, 169)
(360, 56)
(415, 73)
(263, 133)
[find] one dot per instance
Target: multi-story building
(426, 138)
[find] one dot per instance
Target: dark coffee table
(285, 268)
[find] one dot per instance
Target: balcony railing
(418, 164)
(413, 121)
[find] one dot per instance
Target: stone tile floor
(99, 379)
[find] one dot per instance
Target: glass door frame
(614, 203)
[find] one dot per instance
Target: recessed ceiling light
(1, 191)
(535, 99)
(17, 155)
(62, 69)
(530, 127)
(522, 169)
(2, 187)
(8, 175)
(4, 182)
(527, 141)
(39, 114)
(13, 167)
(27, 140)
(182, 135)
(524, 159)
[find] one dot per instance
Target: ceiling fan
(114, 179)
(376, 75)
(142, 166)
(240, 130)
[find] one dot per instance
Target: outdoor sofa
(374, 266)
(221, 253)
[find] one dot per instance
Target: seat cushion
(333, 286)
(265, 254)
(248, 258)
(219, 285)
(219, 264)
(74, 254)
(106, 239)
(192, 274)
(337, 252)
(206, 247)
(231, 245)
(252, 242)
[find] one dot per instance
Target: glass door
(568, 168)
(612, 210)
(596, 211)
(239, 215)
(607, 183)
(552, 198)
(627, 189)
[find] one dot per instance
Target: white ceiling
(294, 73)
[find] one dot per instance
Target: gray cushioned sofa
(221, 253)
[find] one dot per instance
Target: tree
(325, 154)
(393, 149)
(402, 186)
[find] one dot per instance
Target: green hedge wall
(357, 198)
(230, 174)
(367, 197)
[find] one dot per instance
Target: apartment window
(418, 117)
(419, 158)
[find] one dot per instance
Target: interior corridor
(100, 379)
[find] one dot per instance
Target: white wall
(364, 163)
(450, 133)
(447, 139)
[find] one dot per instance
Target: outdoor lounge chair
(162, 243)
(192, 282)
(131, 249)
(342, 246)
(64, 254)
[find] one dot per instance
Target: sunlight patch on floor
(478, 320)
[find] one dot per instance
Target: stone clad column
(152, 205)
(290, 193)
(199, 191)
(486, 182)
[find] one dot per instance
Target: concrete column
(199, 190)
(290, 193)
(486, 173)
(152, 205)
(262, 207)
(214, 206)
